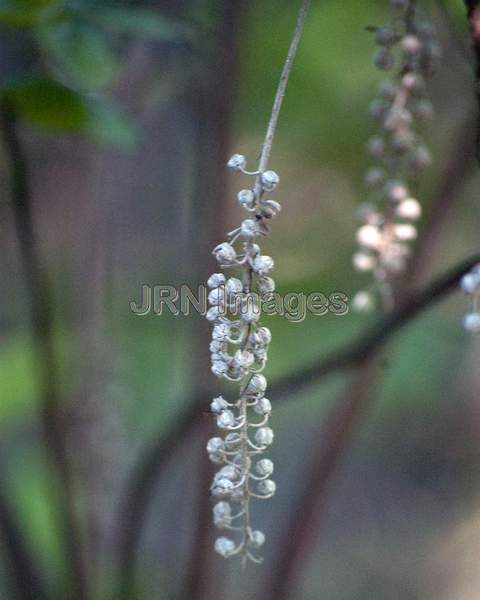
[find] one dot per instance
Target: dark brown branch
(42, 323)
(24, 572)
(473, 14)
(141, 485)
(334, 437)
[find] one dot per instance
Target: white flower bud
(363, 302)
(269, 180)
(226, 419)
(262, 264)
(256, 385)
(249, 228)
(224, 546)
(219, 368)
(222, 516)
(262, 336)
(387, 89)
(227, 472)
(215, 346)
(409, 209)
(217, 458)
(237, 162)
(257, 538)
(470, 283)
(385, 36)
(246, 198)
(225, 253)
(217, 296)
(214, 313)
(218, 404)
(376, 147)
(265, 285)
(363, 262)
(396, 190)
(260, 354)
(369, 236)
(215, 280)
(411, 44)
(263, 406)
(471, 322)
(410, 81)
(378, 109)
(251, 312)
(222, 509)
(220, 332)
(264, 436)
(405, 232)
(233, 286)
(267, 487)
(215, 444)
(384, 60)
(222, 487)
(243, 359)
(264, 467)
(374, 177)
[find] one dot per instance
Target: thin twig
(282, 86)
(24, 571)
(42, 322)
(145, 474)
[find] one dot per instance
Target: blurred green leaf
(24, 13)
(140, 22)
(108, 125)
(59, 109)
(49, 104)
(81, 51)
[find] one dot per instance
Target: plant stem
(282, 86)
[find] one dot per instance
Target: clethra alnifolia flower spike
(387, 227)
(239, 347)
(238, 352)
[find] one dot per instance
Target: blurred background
(117, 121)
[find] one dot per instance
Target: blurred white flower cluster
(470, 284)
(388, 218)
(238, 353)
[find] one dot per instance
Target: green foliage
(57, 108)
(81, 51)
(75, 43)
(25, 13)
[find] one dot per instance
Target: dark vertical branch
(473, 14)
(42, 323)
(24, 573)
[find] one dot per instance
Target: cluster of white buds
(388, 218)
(470, 284)
(238, 353)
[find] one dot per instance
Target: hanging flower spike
(239, 348)
(388, 218)
(238, 351)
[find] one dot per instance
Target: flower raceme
(239, 350)
(388, 218)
